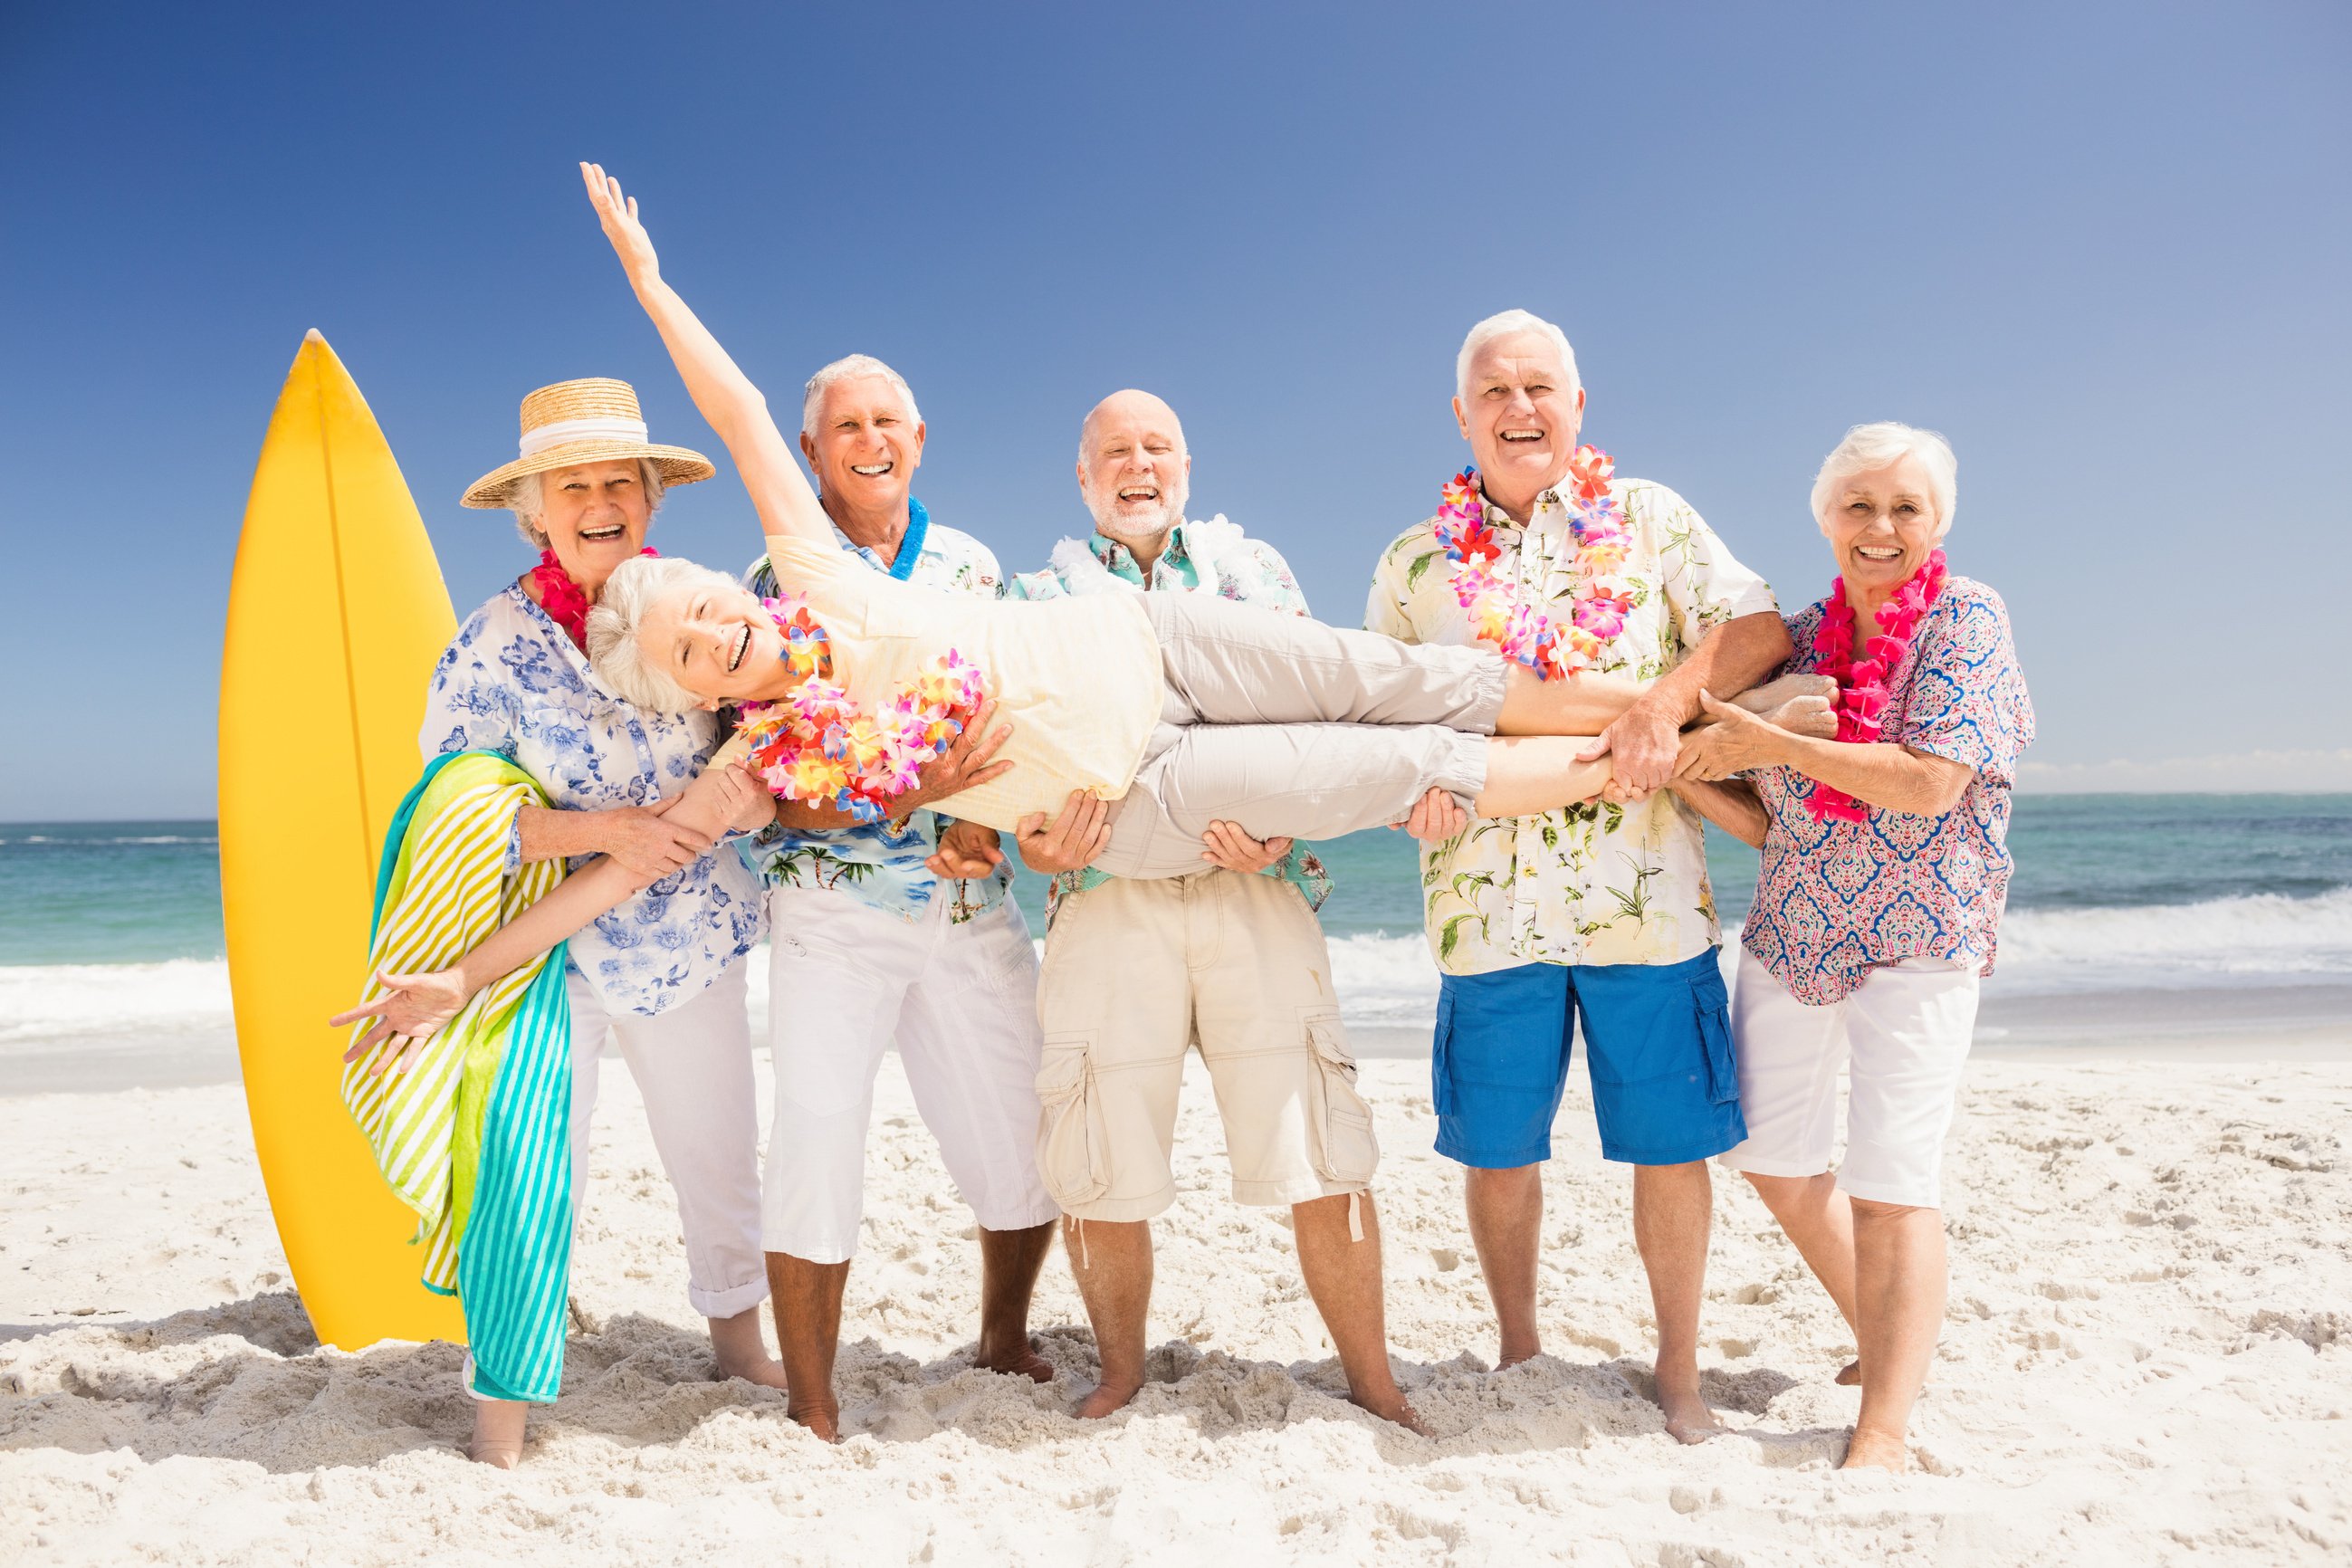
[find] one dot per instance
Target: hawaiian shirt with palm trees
(881, 864)
(1596, 882)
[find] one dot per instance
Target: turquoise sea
(2128, 915)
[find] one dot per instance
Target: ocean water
(2128, 914)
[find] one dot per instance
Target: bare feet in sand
(1688, 1416)
(1104, 1398)
(741, 1353)
(1393, 1407)
(825, 1419)
(1849, 1375)
(498, 1432)
(1875, 1450)
(1021, 1360)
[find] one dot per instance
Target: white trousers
(693, 1065)
(845, 981)
(1905, 1032)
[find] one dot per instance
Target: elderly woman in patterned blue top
(660, 974)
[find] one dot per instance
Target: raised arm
(772, 473)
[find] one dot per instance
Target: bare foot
(1392, 1406)
(1688, 1416)
(1849, 1375)
(1022, 1362)
(498, 1432)
(1512, 1355)
(1104, 1398)
(1875, 1450)
(1774, 693)
(825, 1420)
(741, 1353)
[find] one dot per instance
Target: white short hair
(527, 497)
(1502, 325)
(843, 368)
(1875, 446)
(614, 650)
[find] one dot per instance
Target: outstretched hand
(411, 1010)
(618, 213)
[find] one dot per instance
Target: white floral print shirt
(514, 682)
(879, 864)
(1596, 882)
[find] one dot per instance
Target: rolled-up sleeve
(1968, 700)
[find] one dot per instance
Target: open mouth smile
(1522, 436)
(1879, 552)
(1139, 493)
(600, 535)
(871, 470)
(742, 647)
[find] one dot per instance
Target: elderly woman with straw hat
(658, 974)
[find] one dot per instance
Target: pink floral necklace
(567, 604)
(1601, 601)
(1861, 682)
(818, 745)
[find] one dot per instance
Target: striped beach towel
(475, 1136)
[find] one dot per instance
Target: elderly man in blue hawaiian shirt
(898, 930)
(1231, 958)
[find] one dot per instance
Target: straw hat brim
(678, 465)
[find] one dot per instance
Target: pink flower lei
(1861, 682)
(1601, 598)
(567, 604)
(819, 746)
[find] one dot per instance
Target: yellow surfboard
(336, 614)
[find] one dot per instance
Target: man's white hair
(1502, 325)
(1868, 446)
(528, 498)
(842, 369)
(614, 651)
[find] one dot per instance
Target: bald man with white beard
(1231, 958)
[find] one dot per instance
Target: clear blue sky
(2104, 247)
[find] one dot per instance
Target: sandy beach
(2147, 1359)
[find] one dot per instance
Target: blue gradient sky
(2102, 247)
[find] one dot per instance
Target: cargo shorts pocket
(1339, 1133)
(1073, 1144)
(1715, 1040)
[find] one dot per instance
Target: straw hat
(590, 421)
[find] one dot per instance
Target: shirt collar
(911, 544)
(1120, 562)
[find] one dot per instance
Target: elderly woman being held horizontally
(1880, 890)
(659, 974)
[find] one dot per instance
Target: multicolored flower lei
(818, 746)
(1602, 599)
(1861, 682)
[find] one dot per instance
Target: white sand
(2149, 1359)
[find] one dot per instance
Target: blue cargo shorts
(1658, 1045)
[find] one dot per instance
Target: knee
(1870, 1211)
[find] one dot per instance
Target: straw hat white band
(561, 431)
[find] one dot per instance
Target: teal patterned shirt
(1201, 557)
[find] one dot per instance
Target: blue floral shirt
(881, 864)
(1200, 557)
(514, 682)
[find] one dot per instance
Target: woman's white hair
(1869, 446)
(842, 369)
(613, 648)
(527, 497)
(1502, 325)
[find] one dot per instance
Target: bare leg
(807, 1300)
(1816, 1216)
(741, 1351)
(1582, 705)
(1343, 1275)
(498, 1432)
(1531, 773)
(1009, 1263)
(1673, 1212)
(1506, 1212)
(1112, 1262)
(1899, 1288)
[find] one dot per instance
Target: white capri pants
(846, 980)
(693, 1065)
(1906, 1030)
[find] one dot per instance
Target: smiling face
(594, 518)
(1880, 524)
(1519, 418)
(715, 640)
(864, 448)
(1133, 470)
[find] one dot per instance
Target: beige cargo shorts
(1137, 973)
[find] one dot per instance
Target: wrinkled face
(1881, 525)
(717, 641)
(865, 448)
(1519, 418)
(1135, 474)
(594, 518)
